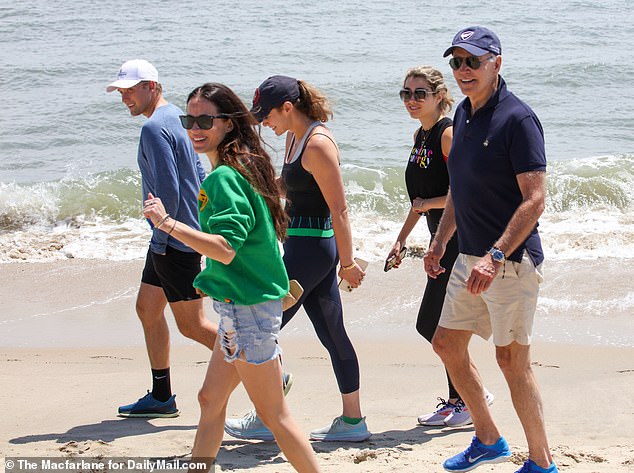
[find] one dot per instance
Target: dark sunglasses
(472, 62)
(418, 94)
(205, 122)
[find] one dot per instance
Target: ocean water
(69, 185)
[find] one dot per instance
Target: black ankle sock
(161, 388)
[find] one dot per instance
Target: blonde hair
(313, 103)
(437, 83)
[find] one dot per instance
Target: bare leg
(262, 385)
(150, 306)
(220, 381)
(351, 405)
(192, 323)
(453, 348)
(514, 360)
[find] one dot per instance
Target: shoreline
(65, 303)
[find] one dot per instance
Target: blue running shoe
(151, 408)
(341, 431)
(478, 454)
(531, 467)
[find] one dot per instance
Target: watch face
(497, 255)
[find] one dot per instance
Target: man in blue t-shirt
(497, 170)
(171, 170)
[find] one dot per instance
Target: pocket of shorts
(265, 320)
(527, 269)
(510, 270)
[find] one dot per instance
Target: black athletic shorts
(174, 272)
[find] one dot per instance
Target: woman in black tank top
(318, 236)
(427, 99)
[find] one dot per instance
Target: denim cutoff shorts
(250, 330)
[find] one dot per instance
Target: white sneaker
(461, 415)
(443, 409)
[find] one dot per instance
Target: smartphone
(391, 261)
(345, 285)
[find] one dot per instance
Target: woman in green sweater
(241, 219)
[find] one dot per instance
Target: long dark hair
(242, 149)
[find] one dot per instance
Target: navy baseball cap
(477, 40)
(272, 93)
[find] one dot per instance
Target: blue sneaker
(151, 408)
(341, 431)
(531, 467)
(478, 454)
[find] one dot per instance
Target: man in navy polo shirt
(497, 170)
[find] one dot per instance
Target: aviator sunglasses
(472, 62)
(205, 122)
(418, 94)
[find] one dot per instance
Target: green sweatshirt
(230, 207)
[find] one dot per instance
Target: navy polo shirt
(501, 140)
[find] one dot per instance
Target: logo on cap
(122, 74)
(466, 35)
(256, 96)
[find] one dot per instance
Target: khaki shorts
(506, 309)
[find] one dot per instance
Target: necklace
(426, 134)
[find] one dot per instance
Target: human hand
(432, 258)
(482, 275)
(353, 274)
(154, 210)
(395, 257)
(419, 206)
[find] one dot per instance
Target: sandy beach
(71, 352)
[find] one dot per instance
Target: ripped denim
(249, 331)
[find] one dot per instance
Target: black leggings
(313, 262)
(433, 299)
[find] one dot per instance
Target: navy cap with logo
(272, 93)
(477, 40)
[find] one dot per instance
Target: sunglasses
(418, 94)
(472, 62)
(205, 122)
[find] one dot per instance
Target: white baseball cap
(132, 72)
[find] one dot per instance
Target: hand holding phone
(345, 285)
(395, 259)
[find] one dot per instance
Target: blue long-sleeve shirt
(171, 170)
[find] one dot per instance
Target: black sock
(161, 388)
(453, 394)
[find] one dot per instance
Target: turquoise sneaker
(478, 454)
(531, 467)
(341, 431)
(287, 382)
(250, 427)
(150, 408)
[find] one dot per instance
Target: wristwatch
(497, 255)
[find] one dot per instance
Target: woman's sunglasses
(205, 122)
(472, 62)
(418, 94)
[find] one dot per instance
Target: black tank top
(426, 174)
(305, 204)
